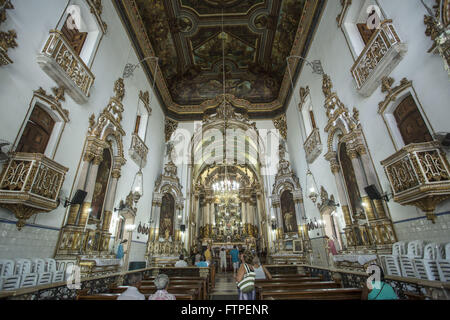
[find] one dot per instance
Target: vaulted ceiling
(190, 36)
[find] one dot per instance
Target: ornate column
(73, 211)
(361, 182)
(156, 215)
(92, 176)
(300, 215)
(371, 179)
(109, 204)
(276, 206)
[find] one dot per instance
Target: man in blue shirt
(235, 259)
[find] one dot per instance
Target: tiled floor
(225, 288)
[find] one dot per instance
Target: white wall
(19, 80)
(430, 81)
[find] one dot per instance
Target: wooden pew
(111, 296)
(198, 287)
(313, 294)
(274, 286)
(172, 283)
(148, 291)
(292, 280)
(149, 281)
(290, 275)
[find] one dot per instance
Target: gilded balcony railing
(419, 175)
(63, 65)
(138, 151)
(383, 52)
(30, 183)
(313, 146)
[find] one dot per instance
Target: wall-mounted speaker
(182, 228)
(78, 198)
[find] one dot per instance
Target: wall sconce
(311, 187)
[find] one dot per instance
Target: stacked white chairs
(39, 267)
(443, 265)
(8, 280)
(415, 251)
(427, 268)
(392, 261)
(24, 270)
(57, 275)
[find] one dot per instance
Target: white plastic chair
(10, 282)
(50, 266)
(29, 280)
(23, 266)
(6, 268)
(427, 268)
(391, 261)
(443, 265)
(415, 251)
(39, 267)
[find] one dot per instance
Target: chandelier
(226, 186)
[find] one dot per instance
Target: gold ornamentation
(392, 92)
(280, 124)
(119, 89)
(97, 9)
(304, 92)
(57, 51)
(170, 127)
(30, 183)
(7, 41)
(340, 17)
(384, 40)
(313, 146)
(327, 85)
(138, 150)
(54, 101)
(419, 175)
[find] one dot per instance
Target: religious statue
(288, 221)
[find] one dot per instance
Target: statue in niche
(288, 211)
(167, 212)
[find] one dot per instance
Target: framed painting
(297, 246)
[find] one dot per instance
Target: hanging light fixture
(311, 187)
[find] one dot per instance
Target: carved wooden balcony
(138, 151)
(380, 56)
(30, 183)
(419, 175)
(313, 146)
(65, 67)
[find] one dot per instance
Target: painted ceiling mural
(187, 36)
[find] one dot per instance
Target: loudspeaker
(78, 198)
(182, 228)
(373, 192)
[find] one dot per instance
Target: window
(37, 132)
(306, 108)
(355, 25)
(83, 34)
(410, 123)
(75, 38)
(43, 125)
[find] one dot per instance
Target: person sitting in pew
(132, 293)
(181, 263)
(202, 263)
(261, 273)
(377, 289)
(161, 284)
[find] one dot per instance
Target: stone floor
(225, 288)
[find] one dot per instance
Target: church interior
(311, 136)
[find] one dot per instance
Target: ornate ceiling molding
(308, 21)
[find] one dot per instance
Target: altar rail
(94, 285)
(404, 287)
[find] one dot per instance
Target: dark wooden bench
(151, 290)
(149, 281)
(172, 283)
(114, 296)
(271, 286)
(290, 275)
(313, 294)
(198, 287)
(292, 280)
